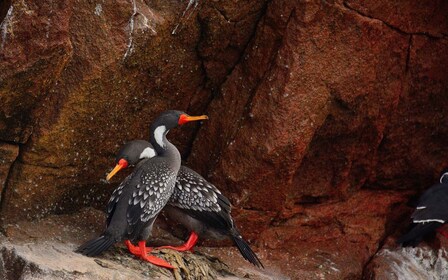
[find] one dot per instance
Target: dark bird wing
(151, 191)
(432, 205)
(201, 199)
(430, 213)
(115, 198)
(137, 201)
(415, 235)
(204, 202)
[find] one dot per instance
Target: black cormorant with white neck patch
(430, 214)
(138, 200)
(195, 203)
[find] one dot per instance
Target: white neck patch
(443, 176)
(148, 153)
(158, 135)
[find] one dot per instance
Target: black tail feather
(96, 246)
(416, 234)
(246, 251)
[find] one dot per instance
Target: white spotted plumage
(193, 192)
(148, 196)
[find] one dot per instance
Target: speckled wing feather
(200, 199)
(195, 193)
(433, 205)
(150, 194)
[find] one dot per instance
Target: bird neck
(158, 140)
(163, 147)
(444, 178)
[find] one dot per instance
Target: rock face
(51, 255)
(323, 114)
(8, 154)
(423, 262)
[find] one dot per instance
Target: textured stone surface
(422, 262)
(120, 70)
(413, 151)
(331, 240)
(35, 47)
(423, 17)
(8, 154)
(51, 255)
(319, 111)
(303, 114)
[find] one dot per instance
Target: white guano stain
(98, 9)
(144, 25)
(138, 21)
(190, 3)
(130, 46)
(415, 263)
(4, 26)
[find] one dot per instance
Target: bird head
(166, 121)
(173, 118)
(130, 154)
(134, 151)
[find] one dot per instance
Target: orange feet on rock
(142, 252)
(187, 246)
(135, 250)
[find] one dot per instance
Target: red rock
(413, 151)
(8, 154)
(34, 49)
(109, 83)
(310, 103)
(334, 239)
(422, 262)
(417, 17)
(283, 128)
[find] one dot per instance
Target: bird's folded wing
(432, 206)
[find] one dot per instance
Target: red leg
(135, 250)
(152, 259)
(187, 246)
(442, 232)
(142, 252)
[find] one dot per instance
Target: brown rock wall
(414, 149)
(310, 104)
(8, 154)
(123, 67)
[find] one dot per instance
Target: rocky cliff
(325, 116)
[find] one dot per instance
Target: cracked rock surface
(45, 250)
(325, 116)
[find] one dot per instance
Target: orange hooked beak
(122, 163)
(184, 118)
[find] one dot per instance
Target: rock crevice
(320, 112)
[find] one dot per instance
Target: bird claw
(187, 246)
(156, 261)
(142, 252)
(135, 250)
(181, 248)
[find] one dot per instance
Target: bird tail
(416, 234)
(96, 246)
(245, 249)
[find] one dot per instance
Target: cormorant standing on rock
(138, 200)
